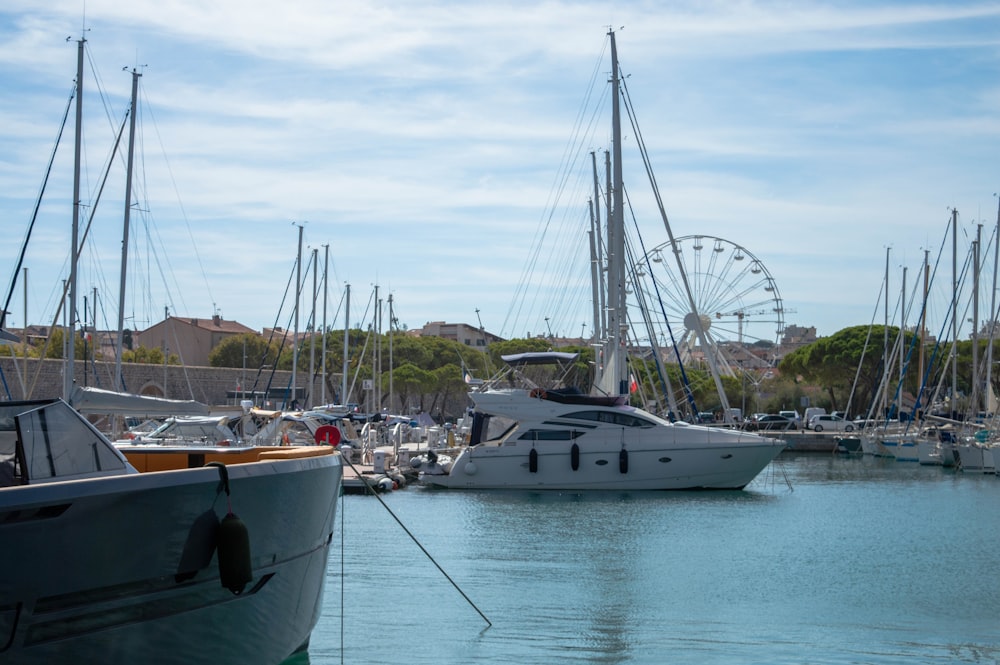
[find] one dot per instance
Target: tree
(450, 391)
(147, 356)
(411, 382)
(833, 362)
(245, 350)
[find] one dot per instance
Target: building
(793, 338)
(459, 332)
(191, 339)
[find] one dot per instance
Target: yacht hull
(616, 448)
(125, 569)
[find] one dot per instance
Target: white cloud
(423, 142)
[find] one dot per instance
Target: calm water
(860, 561)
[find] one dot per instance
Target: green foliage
(154, 356)
(246, 350)
(410, 382)
(833, 362)
(53, 347)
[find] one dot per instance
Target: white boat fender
(533, 460)
(235, 568)
(470, 469)
(385, 484)
(623, 461)
(574, 457)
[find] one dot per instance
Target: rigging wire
(571, 156)
(34, 214)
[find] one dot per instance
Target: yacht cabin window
(611, 417)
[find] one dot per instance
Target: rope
(414, 539)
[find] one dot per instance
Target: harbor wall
(40, 379)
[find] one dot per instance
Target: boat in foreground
(136, 556)
(561, 439)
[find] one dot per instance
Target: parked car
(771, 422)
(792, 415)
(830, 422)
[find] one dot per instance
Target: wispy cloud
(423, 142)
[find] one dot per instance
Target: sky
(437, 151)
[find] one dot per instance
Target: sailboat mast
(71, 323)
(392, 320)
(326, 295)
(954, 312)
(119, 383)
(923, 317)
(976, 392)
(312, 336)
(295, 333)
(902, 339)
(617, 319)
(595, 274)
(993, 317)
(347, 326)
(596, 259)
(885, 342)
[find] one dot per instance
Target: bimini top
(539, 358)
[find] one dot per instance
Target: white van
(813, 411)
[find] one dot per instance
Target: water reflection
(862, 560)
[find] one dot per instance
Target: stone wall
(209, 385)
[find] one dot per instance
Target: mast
(71, 323)
(901, 337)
(923, 318)
(993, 317)
(347, 325)
(119, 384)
(295, 333)
(326, 295)
(974, 406)
(392, 320)
(954, 313)
(617, 319)
(376, 329)
(597, 256)
(885, 342)
(312, 337)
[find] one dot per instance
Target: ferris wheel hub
(697, 322)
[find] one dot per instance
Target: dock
(810, 442)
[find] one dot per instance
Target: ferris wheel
(726, 299)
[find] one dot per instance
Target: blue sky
(427, 143)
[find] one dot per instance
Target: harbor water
(823, 559)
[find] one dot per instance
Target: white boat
(564, 440)
(936, 447)
(902, 446)
(111, 557)
(975, 456)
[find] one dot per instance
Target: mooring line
(414, 539)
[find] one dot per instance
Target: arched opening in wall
(152, 390)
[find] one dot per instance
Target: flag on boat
(632, 385)
(466, 375)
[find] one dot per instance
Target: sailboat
(528, 436)
(115, 555)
